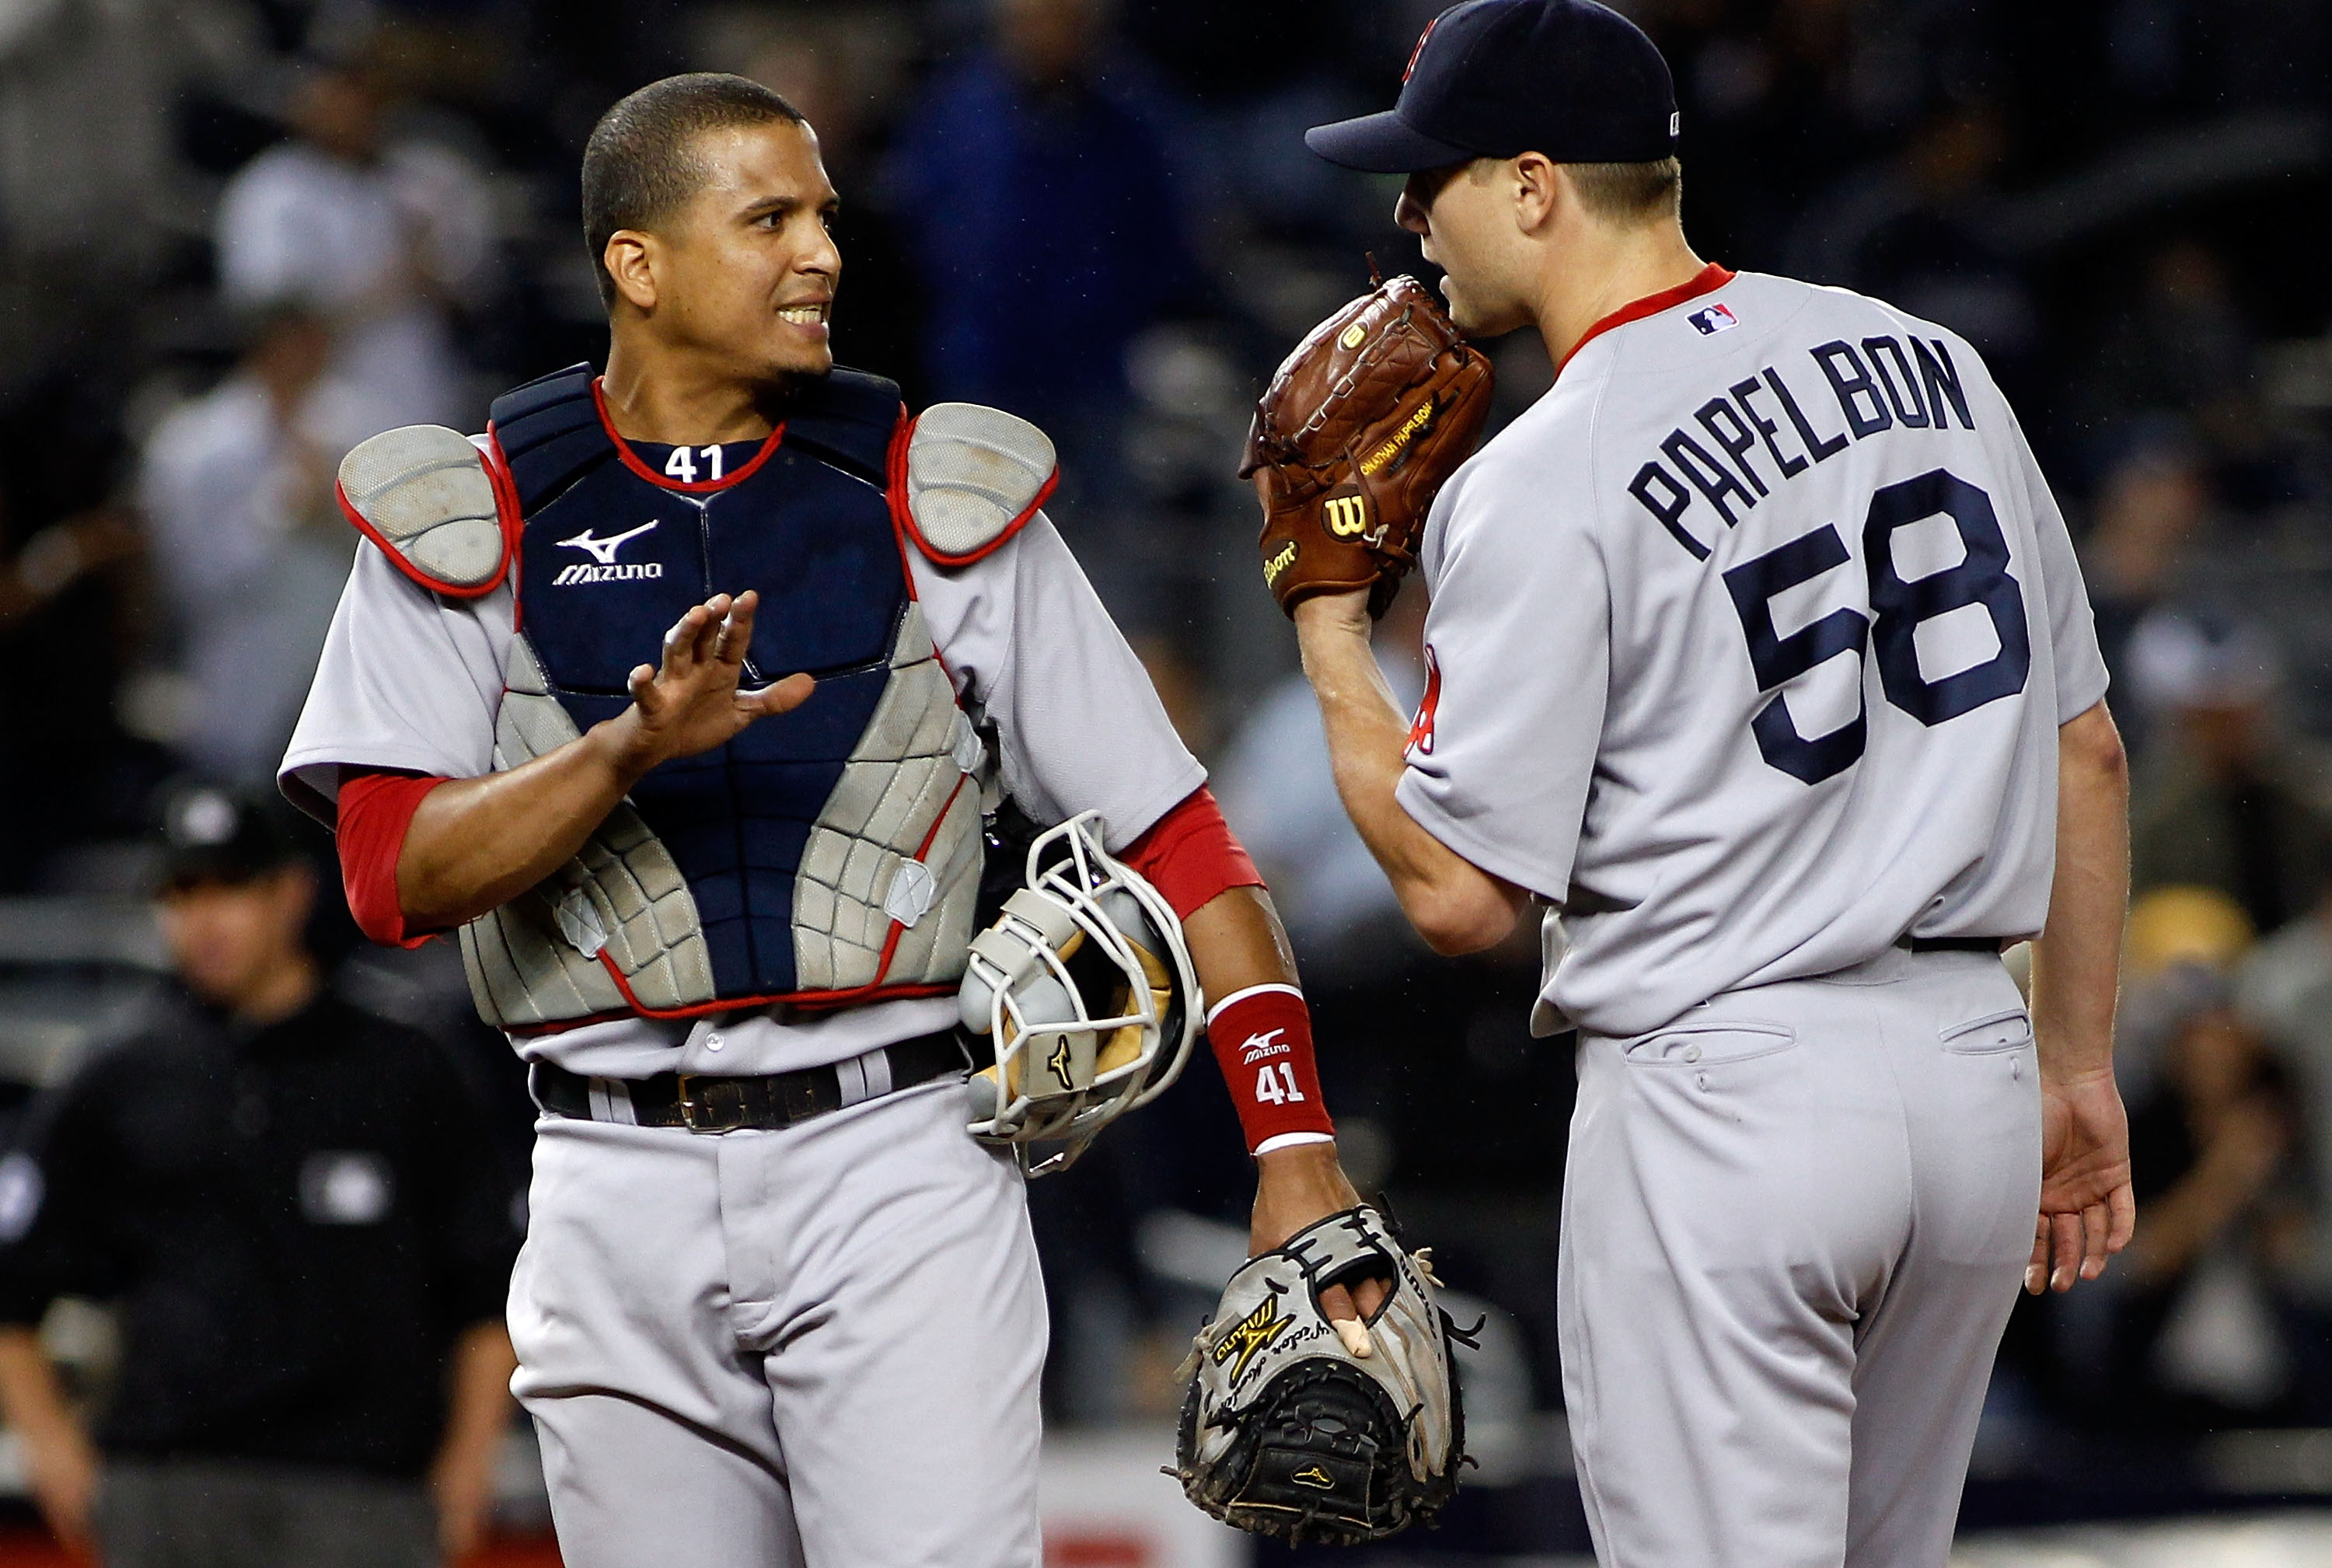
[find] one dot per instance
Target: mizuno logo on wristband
(1267, 1044)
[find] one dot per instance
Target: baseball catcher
(1313, 1428)
(1359, 428)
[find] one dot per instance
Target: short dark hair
(640, 166)
(1629, 193)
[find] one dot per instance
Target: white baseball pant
(1794, 1221)
(816, 1346)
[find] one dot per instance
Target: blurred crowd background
(241, 235)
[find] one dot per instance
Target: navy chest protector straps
(827, 857)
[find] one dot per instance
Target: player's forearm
(2076, 961)
(475, 844)
(479, 1411)
(31, 1398)
(1237, 942)
(1455, 906)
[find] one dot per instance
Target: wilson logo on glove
(1376, 407)
(1279, 564)
(1346, 516)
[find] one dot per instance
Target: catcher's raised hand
(690, 702)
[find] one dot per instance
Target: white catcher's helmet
(1084, 989)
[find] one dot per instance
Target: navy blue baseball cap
(1570, 79)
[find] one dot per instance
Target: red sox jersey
(1749, 644)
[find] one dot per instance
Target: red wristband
(1262, 1037)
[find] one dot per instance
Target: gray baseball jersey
(411, 680)
(1749, 644)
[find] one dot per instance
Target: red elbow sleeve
(375, 811)
(1191, 855)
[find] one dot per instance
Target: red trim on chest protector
(1707, 281)
(1190, 856)
(1263, 1044)
(902, 515)
(513, 525)
(631, 459)
(375, 813)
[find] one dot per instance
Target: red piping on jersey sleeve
(1707, 281)
(1190, 856)
(376, 811)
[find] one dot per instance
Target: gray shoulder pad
(974, 477)
(424, 496)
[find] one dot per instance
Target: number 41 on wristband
(1275, 1085)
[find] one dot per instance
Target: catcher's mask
(1084, 989)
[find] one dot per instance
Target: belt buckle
(691, 1108)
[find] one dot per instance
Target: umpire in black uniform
(294, 1204)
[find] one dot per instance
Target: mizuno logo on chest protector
(603, 550)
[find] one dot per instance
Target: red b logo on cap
(1411, 70)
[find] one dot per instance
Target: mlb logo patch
(1712, 321)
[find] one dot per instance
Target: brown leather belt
(705, 1104)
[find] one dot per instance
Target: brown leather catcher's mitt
(1362, 425)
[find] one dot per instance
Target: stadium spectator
(1922, 231)
(247, 544)
(2151, 512)
(1279, 792)
(2200, 1334)
(294, 1204)
(2179, 346)
(1037, 201)
(2284, 990)
(2232, 798)
(92, 94)
(380, 236)
(70, 621)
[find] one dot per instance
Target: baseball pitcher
(1759, 661)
